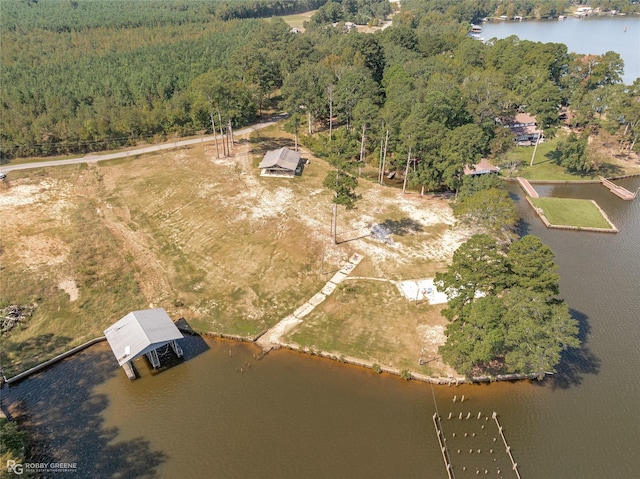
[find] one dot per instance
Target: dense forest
(80, 76)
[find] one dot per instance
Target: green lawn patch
(545, 167)
(572, 212)
(297, 20)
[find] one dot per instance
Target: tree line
(421, 93)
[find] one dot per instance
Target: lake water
(595, 35)
(224, 414)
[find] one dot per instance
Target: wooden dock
(619, 191)
(507, 447)
(526, 186)
(443, 446)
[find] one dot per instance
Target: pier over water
(619, 191)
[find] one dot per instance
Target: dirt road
(93, 158)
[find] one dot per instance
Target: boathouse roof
(141, 332)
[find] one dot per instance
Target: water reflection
(222, 414)
(66, 422)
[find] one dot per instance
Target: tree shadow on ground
(261, 144)
(578, 362)
(553, 156)
(30, 352)
(402, 227)
(64, 418)
(605, 169)
(609, 170)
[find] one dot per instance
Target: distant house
(282, 162)
(484, 167)
(524, 127)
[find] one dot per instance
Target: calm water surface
(222, 414)
(595, 35)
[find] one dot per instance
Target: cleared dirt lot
(208, 239)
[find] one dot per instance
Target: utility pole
(406, 172)
(535, 148)
(384, 157)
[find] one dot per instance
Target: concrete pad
(347, 268)
(329, 288)
(303, 310)
(274, 334)
(421, 289)
(317, 299)
(355, 259)
(338, 278)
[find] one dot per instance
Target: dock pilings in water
(507, 447)
(443, 447)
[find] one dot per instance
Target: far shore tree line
(80, 77)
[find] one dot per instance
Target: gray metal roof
(140, 332)
(284, 158)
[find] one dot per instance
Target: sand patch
(27, 194)
(41, 250)
(432, 336)
(70, 287)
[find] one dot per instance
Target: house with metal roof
(282, 162)
(142, 333)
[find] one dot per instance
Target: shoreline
(348, 360)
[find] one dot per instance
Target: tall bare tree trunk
(215, 135)
(384, 157)
(380, 162)
(224, 148)
(330, 92)
(364, 129)
(406, 172)
(335, 223)
(309, 121)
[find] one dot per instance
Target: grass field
(356, 321)
(572, 212)
(297, 20)
(545, 168)
(210, 240)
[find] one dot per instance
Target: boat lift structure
(142, 332)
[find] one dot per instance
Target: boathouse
(282, 162)
(142, 332)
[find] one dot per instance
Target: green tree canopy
(572, 154)
(503, 311)
(490, 209)
(537, 331)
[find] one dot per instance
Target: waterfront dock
(526, 186)
(619, 191)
